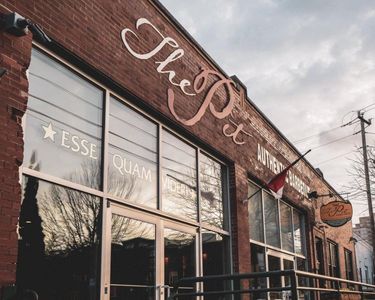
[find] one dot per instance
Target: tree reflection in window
(63, 136)
(179, 256)
(271, 216)
(59, 229)
(179, 178)
(255, 213)
(132, 163)
(132, 259)
(211, 188)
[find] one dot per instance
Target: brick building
(127, 154)
(363, 229)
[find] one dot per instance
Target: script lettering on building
(268, 160)
(200, 84)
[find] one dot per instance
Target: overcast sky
(308, 65)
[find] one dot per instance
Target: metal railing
(366, 291)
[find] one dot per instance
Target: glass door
(274, 264)
(146, 255)
(180, 259)
(133, 248)
(279, 261)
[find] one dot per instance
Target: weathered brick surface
(91, 31)
(14, 56)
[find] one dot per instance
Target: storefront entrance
(146, 254)
(279, 261)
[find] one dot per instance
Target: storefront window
(298, 228)
(59, 140)
(290, 226)
(86, 143)
(286, 227)
(271, 214)
(211, 186)
(132, 159)
(333, 259)
(349, 265)
(255, 213)
(59, 242)
(179, 177)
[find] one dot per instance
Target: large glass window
(255, 213)
(333, 258)
(88, 144)
(64, 138)
(271, 213)
(60, 140)
(132, 164)
(298, 231)
(211, 188)
(59, 242)
(283, 225)
(179, 177)
(286, 227)
(349, 265)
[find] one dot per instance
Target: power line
(333, 158)
(325, 132)
(363, 108)
(334, 141)
(367, 110)
(314, 135)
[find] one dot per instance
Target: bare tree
(357, 186)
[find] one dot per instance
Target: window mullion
(105, 141)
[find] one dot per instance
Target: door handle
(164, 287)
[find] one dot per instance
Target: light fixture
(17, 25)
(315, 195)
(3, 71)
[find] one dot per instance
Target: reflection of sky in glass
(69, 218)
(132, 253)
(125, 229)
(297, 232)
(271, 220)
(179, 178)
(179, 255)
(132, 155)
(255, 213)
(211, 191)
(66, 102)
(286, 227)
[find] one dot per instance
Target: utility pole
(367, 177)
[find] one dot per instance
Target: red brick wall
(14, 56)
(91, 30)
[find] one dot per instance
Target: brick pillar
(15, 53)
(240, 226)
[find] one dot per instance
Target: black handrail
(293, 288)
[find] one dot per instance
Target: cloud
(306, 64)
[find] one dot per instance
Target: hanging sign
(336, 213)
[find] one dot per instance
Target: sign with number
(336, 213)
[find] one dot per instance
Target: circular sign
(336, 213)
